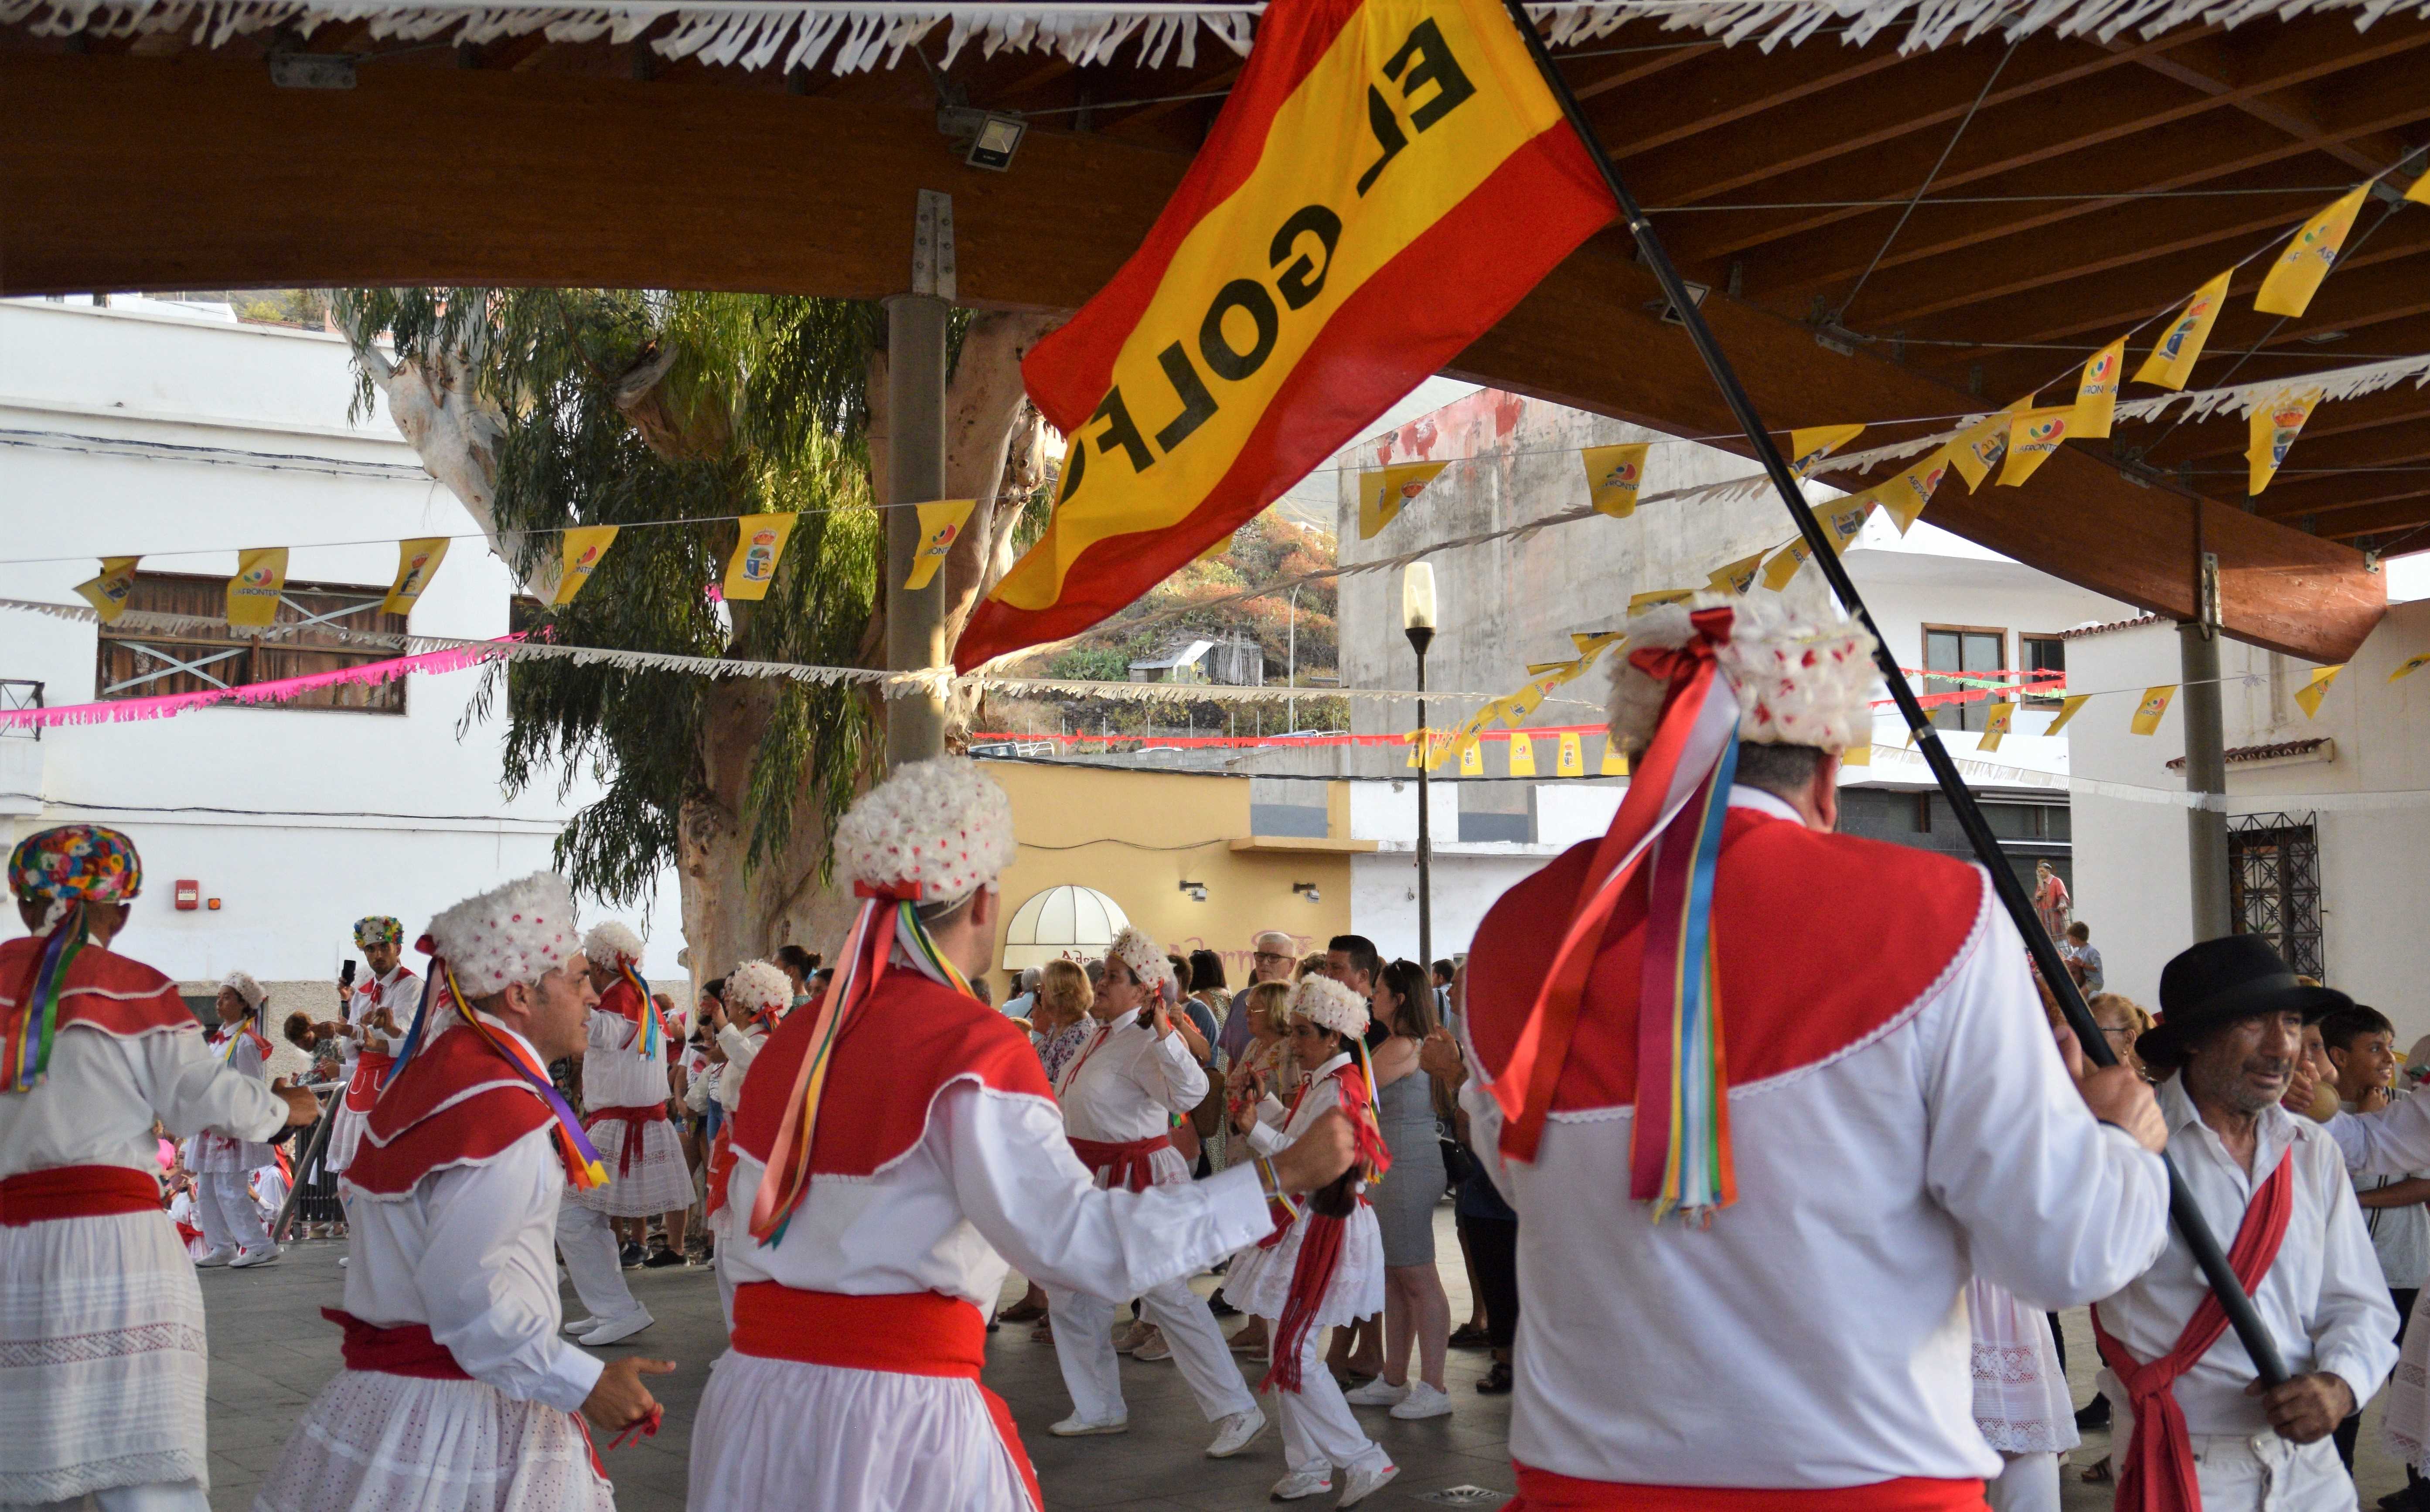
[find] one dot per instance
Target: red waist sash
(1128, 1165)
(76, 1191)
(1542, 1490)
(908, 1333)
(405, 1350)
(363, 1087)
(634, 1120)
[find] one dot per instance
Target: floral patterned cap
(76, 863)
(379, 929)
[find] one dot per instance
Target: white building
(173, 431)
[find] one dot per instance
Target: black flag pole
(2250, 1330)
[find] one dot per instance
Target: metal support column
(2206, 779)
(915, 473)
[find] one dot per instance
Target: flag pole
(2250, 1330)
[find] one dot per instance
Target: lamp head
(1418, 597)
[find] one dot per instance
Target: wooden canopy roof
(2077, 188)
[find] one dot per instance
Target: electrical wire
(1939, 163)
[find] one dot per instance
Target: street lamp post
(1418, 623)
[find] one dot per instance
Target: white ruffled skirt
(345, 1136)
(372, 1442)
(1259, 1280)
(102, 1358)
(658, 1182)
(2021, 1395)
(781, 1434)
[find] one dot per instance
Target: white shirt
(1123, 1083)
(2398, 1235)
(741, 1050)
(470, 1254)
(225, 1153)
(1829, 1299)
(2322, 1299)
(400, 992)
(1277, 1126)
(95, 1105)
(991, 1182)
(615, 1072)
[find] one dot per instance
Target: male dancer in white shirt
(625, 1104)
(376, 1012)
(457, 1395)
(232, 1224)
(1119, 1094)
(896, 1146)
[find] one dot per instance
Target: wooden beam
(2211, 442)
(2396, 513)
(495, 178)
(1717, 89)
(1591, 78)
(2214, 64)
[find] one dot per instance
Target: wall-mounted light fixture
(1308, 889)
(1197, 890)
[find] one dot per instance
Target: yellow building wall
(1137, 836)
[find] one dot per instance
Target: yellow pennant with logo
(1641, 602)
(1785, 563)
(1571, 760)
(252, 592)
(2420, 193)
(417, 563)
(941, 525)
(1739, 575)
(1808, 447)
(2311, 694)
(2409, 666)
(2067, 707)
(578, 558)
(1590, 642)
(1614, 474)
(1614, 764)
(1997, 716)
(2288, 287)
(1904, 496)
(2155, 704)
(759, 546)
(2096, 393)
(109, 593)
(1472, 757)
(2033, 436)
(1522, 755)
(1384, 491)
(2171, 362)
(1843, 518)
(2274, 429)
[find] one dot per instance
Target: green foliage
(763, 409)
(1102, 664)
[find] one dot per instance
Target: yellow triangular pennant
(1519, 705)
(1571, 760)
(109, 593)
(1739, 575)
(2033, 436)
(1857, 755)
(1808, 447)
(2288, 287)
(1216, 550)
(1472, 757)
(2067, 707)
(1641, 602)
(2409, 666)
(1996, 720)
(1614, 474)
(252, 592)
(417, 563)
(1784, 564)
(1842, 519)
(2171, 362)
(1591, 642)
(582, 548)
(2156, 703)
(759, 546)
(2420, 193)
(1614, 764)
(1979, 448)
(2096, 393)
(2274, 429)
(940, 524)
(1384, 491)
(1522, 755)
(1904, 497)
(2311, 694)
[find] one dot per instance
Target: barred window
(317, 630)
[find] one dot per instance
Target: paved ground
(270, 1351)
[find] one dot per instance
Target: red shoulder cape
(105, 991)
(912, 1040)
(487, 1107)
(1823, 941)
(621, 998)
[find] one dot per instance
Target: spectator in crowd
(1488, 1229)
(1416, 1311)
(1358, 1352)
(2082, 957)
(1265, 1066)
(2123, 1021)
(1311, 964)
(2361, 1044)
(799, 967)
(1058, 1017)
(1442, 973)
(1024, 994)
(2051, 902)
(980, 990)
(1270, 960)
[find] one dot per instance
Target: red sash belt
(906, 1333)
(634, 1120)
(1126, 1167)
(363, 1087)
(405, 1350)
(1540, 1490)
(76, 1191)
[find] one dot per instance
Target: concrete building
(173, 431)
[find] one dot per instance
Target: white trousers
(160, 1496)
(1319, 1430)
(228, 1216)
(1084, 1347)
(2261, 1472)
(590, 1249)
(2027, 1483)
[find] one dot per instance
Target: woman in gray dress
(1415, 1308)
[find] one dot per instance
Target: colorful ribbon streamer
(26, 1053)
(583, 1167)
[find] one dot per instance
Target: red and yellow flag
(1347, 228)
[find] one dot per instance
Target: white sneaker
(267, 1255)
(341, 1262)
(1300, 1483)
(622, 1329)
(1154, 1349)
(1362, 1484)
(1376, 1393)
(579, 1327)
(1077, 1427)
(1235, 1432)
(1139, 1333)
(1424, 1401)
(218, 1256)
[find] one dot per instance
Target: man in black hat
(2192, 1411)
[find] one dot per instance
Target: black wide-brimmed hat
(2223, 980)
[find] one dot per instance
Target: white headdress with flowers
(933, 832)
(756, 989)
(610, 941)
(1145, 957)
(517, 932)
(1800, 680)
(1322, 1001)
(243, 984)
